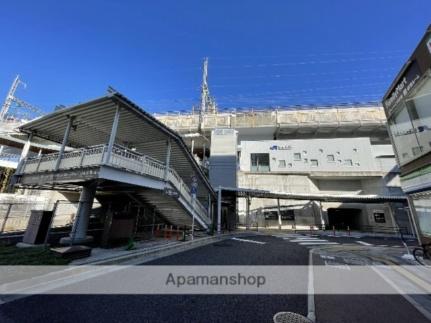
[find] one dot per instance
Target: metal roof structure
(137, 130)
(344, 198)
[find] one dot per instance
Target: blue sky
(261, 53)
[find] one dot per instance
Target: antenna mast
(208, 104)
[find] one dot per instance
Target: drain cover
(290, 317)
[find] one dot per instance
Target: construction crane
(11, 100)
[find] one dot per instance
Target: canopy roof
(92, 124)
(346, 198)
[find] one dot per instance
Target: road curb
(145, 255)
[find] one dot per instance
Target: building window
(355, 150)
(282, 163)
(259, 162)
(314, 162)
(289, 165)
(348, 162)
(305, 160)
(320, 150)
(297, 156)
(379, 217)
(330, 158)
(358, 164)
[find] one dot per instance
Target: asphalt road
(214, 308)
(176, 308)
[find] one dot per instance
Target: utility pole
(11, 98)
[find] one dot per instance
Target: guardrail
(120, 157)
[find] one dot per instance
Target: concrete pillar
(112, 136)
(1, 149)
(247, 213)
(322, 220)
(219, 197)
(78, 234)
(193, 146)
(168, 158)
(279, 214)
(64, 142)
(26, 147)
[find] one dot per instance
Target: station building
(317, 151)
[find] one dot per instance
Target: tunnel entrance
(342, 218)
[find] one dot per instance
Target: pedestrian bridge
(114, 146)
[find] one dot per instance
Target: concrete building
(407, 106)
(342, 150)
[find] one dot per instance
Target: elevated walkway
(143, 175)
(111, 146)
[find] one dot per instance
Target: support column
(219, 197)
(168, 158)
(322, 220)
(78, 234)
(26, 147)
(193, 146)
(209, 206)
(414, 218)
(64, 142)
(112, 136)
(247, 213)
(279, 214)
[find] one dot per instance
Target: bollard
(348, 230)
(311, 230)
(333, 229)
(165, 232)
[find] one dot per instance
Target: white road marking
(316, 243)
(327, 257)
(364, 243)
(308, 240)
(251, 241)
(311, 315)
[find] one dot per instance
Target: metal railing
(120, 157)
(9, 157)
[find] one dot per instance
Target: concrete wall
(223, 159)
(338, 154)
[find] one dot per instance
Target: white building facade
(343, 166)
